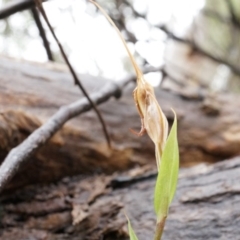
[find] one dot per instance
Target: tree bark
(31, 93)
(206, 206)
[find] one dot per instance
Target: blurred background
(74, 186)
(195, 44)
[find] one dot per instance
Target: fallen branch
(20, 154)
(16, 6)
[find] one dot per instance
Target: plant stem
(159, 228)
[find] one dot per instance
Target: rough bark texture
(31, 93)
(206, 206)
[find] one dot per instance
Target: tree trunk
(31, 93)
(206, 206)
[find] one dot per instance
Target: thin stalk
(42, 33)
(159, 228)
(71, 69)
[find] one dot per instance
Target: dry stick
(42, 33)
(75, 77)
(20, 154)
(15, 6)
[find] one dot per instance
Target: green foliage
(131, 232)
(168, 174)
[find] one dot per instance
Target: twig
(75, 77)
(42, 33)
(15, 6)
(20, 154)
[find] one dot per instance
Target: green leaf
(131, 232)
(167, 175)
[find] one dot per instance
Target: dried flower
(152, 117)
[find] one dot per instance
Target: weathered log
(206, 206)
(31, 93)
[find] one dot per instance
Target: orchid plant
(154, 122)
